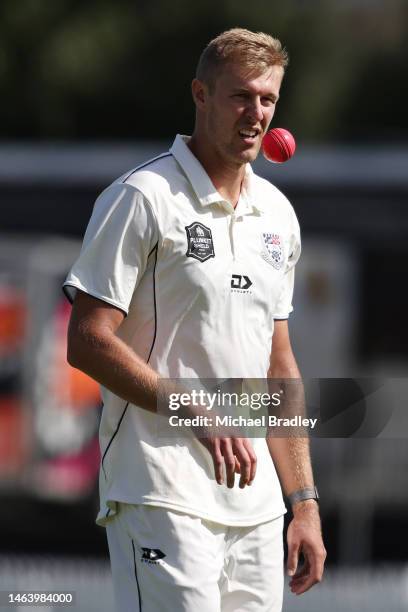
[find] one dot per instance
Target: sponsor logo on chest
(240, 283)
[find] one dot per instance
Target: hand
(238, 456)
(305, 536)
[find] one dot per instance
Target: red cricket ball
(278, 145)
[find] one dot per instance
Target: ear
(199, 91)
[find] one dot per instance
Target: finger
(301, 572)
(314, 562)
(302, 585)
(301, 577)
(218, 462)
(317, 568)
(229, 460)
(293, 558)
(244, 462)
(309, 575)
(237, 466)
(253, 459)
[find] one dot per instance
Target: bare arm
(94, 348)
(291, 457)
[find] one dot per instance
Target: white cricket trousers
(166, 561)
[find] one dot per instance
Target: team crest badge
(272, 250)
(199, 242)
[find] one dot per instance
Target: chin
(243, 156)
(249, 155)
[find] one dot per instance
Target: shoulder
(140, 185)
(162, 184)
(153, 175)
(121, 204)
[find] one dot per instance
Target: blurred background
(90, 90)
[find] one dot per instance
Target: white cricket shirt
(201, 284)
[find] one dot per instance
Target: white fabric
(187, 320)
(193, 565)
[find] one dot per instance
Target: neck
(226, 177)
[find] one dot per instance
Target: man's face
(239, 111)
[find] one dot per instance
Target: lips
(248, 133)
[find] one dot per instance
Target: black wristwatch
(303, 494)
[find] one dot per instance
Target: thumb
(293, 558)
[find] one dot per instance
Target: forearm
(291, 458)
(289, 446)
(114, 364)
(290, 451)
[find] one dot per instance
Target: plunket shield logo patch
(199, 242)
(272, 250)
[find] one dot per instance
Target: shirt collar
(201, 182)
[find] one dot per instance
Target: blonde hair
(255, 51)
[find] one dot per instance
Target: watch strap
(303, 494)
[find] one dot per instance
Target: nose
(255, 111)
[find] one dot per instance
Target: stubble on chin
(235, 156)
(251, 154)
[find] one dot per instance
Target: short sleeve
(121, 234)
(283, 306)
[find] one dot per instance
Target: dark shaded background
(122, 70)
